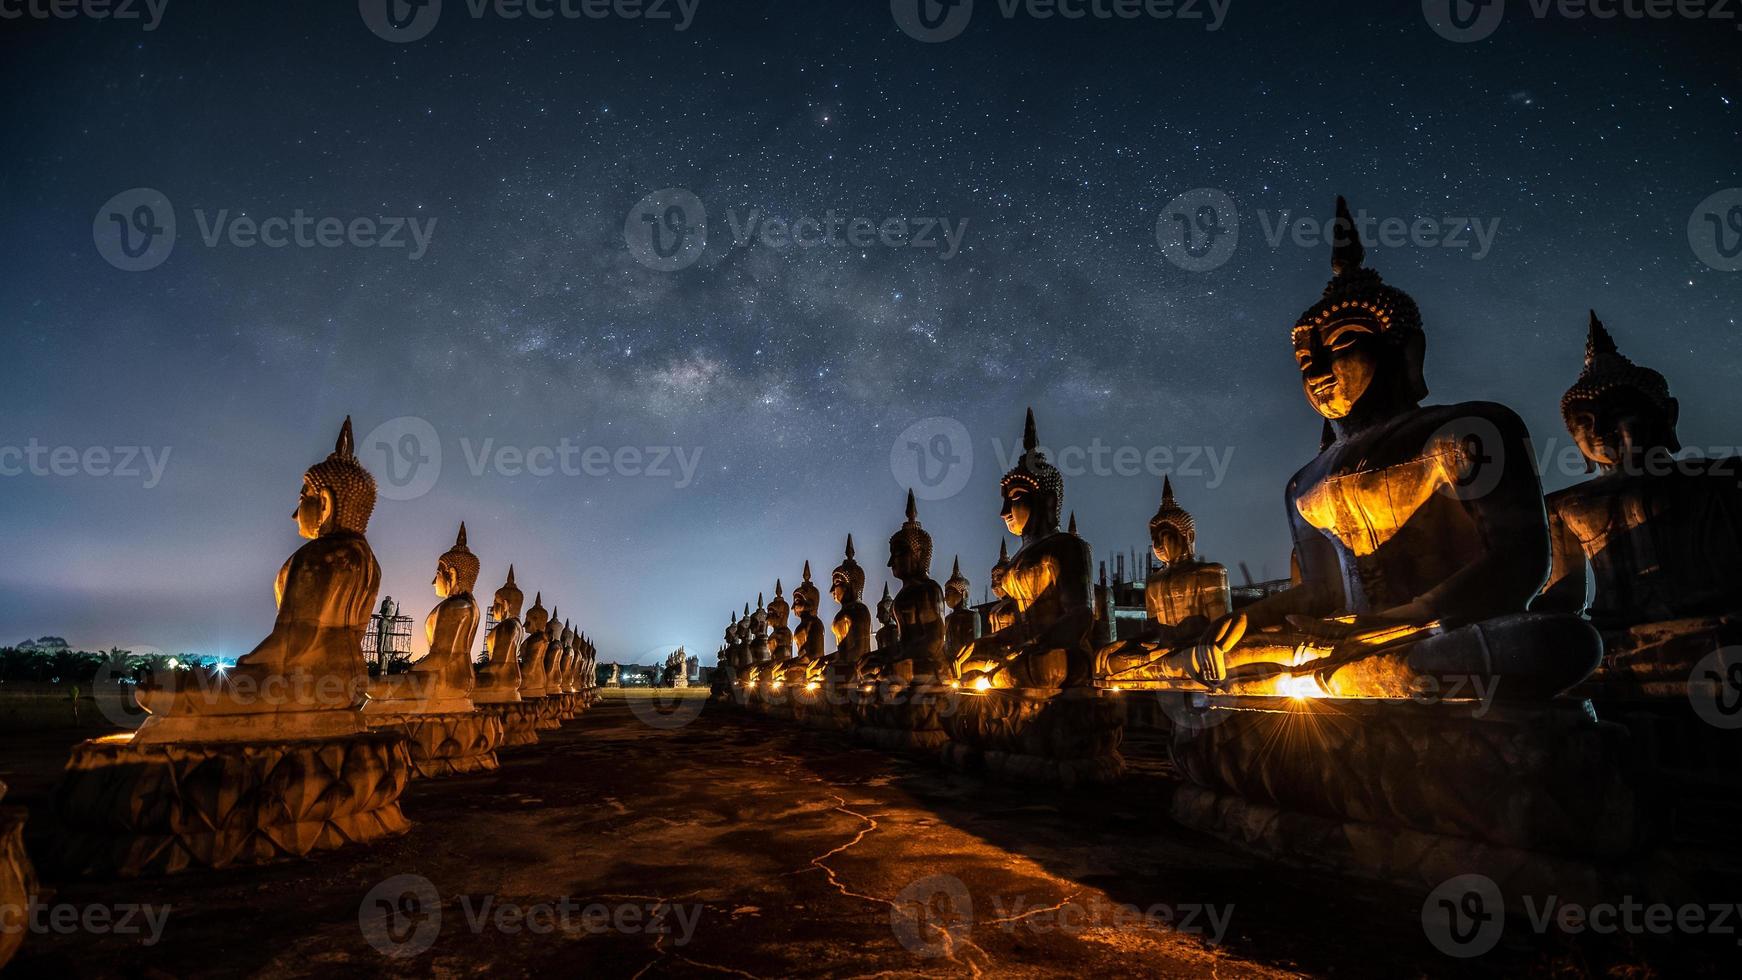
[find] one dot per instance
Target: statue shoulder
(1471, 418)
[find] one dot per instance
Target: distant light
(982, 684)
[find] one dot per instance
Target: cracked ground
(764, 851)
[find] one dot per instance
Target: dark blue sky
(527, 319)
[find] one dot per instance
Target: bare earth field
(737, 846)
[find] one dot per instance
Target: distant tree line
(58, 664)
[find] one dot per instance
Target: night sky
(528, 319)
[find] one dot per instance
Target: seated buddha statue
(809, 651)
(779, 637)
(1002, 615)
(307, 678)
(1182, 596)
(852, 624)
(1661, 537)
(962, 624)
(1048, 580)
(756, 643)
(499, 680)
(917, 609)
(1419, 530)
(442, 680)
(533, 650)
(571, 658)
(888, 636)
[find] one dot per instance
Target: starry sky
(798, 374)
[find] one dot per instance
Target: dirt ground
(627, 845)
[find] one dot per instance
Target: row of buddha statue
(316, 750)
(1423, 545)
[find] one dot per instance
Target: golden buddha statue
(1002, 615)
(533, 650)
(917, 610)
(442, 680)
(779, 637)
(1048, 580)
(1661, 536)
(852, 624)
(1419, 530)
(962, 624)
(1183, 595)
(810, 652)
(888, 636)
(499, 680)
(571, 658)
(307, 678)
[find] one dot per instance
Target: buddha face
(446, 581)
(499, 608)
(903, 559)
(955, 594)
(1168, 544)
(998, 572)
(1619, 427)
(838, 590)
(1338, 364)
(314, 508)
(801, 603)
(1020, 506)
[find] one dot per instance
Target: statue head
(536, 617)
(759, 619)
(1033, 490)
(777, 606)
(956, 589)
(848, 582)
(732, 630)
(1617, 410)
(457, 568)
(568, 634)
(506, 604)
(1361, 344)
(910, 547)
(999, 570)
(338, 494)
(806, 598)
(886, 608)
(1173, 535)
(553, 627)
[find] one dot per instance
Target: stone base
(813, 709)
(130, 809)
(1416, 861)
(1065, 738)
(904, 719)
(17, 879)
(519, 722)
(448, 743)
(1546, 779)
(547, 712)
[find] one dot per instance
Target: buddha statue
(1048, 580)
(962, 624)
(852, 624)
(809, 651)
(779, 637)
(756, 644)
(1419, 530)
(533, 650)
(918, 608)
(307, 678)
(1002, 615)
(442, 680)
(1661, 537)
(499, 680)
(1182, 596)
(571, 658)
(888, 634)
